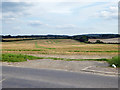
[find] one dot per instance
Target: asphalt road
(15, 77)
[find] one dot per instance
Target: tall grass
(115, 60)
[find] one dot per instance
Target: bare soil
(75, 56)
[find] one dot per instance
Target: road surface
(16, 77)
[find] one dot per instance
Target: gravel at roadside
(100, 67)
(74, 56)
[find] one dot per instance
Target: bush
(87, 42)
(98, 41)
(115, 60)
(80, 38)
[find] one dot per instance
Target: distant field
(15, 38)
(111, 40)
(58, 47)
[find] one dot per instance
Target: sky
(72, 17)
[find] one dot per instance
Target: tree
(80, 38)
(98, 41)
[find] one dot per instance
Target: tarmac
(96, 67)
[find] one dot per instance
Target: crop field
(58, 47)
(111, 40)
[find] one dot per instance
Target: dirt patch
(75, 56)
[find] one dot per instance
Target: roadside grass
(115, 60)
(66, 59)
(7, 57)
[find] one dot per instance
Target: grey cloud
(14, 9)
(14, 6)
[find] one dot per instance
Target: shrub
(87, 42)
(115, 60)
(98, 41)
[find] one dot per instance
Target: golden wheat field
(58, 46)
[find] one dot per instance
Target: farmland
(58, 47)
(111, 40)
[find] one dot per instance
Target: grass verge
(20, 58)
(115, 60)
(7, 57)
(17, 57)
(65, 59)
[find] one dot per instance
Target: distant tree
(87, 42)
(81, 38)
(98, 41)
(84, 39)
(8, 36)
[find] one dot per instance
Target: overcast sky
(63, 17)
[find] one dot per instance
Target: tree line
(81, 38)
